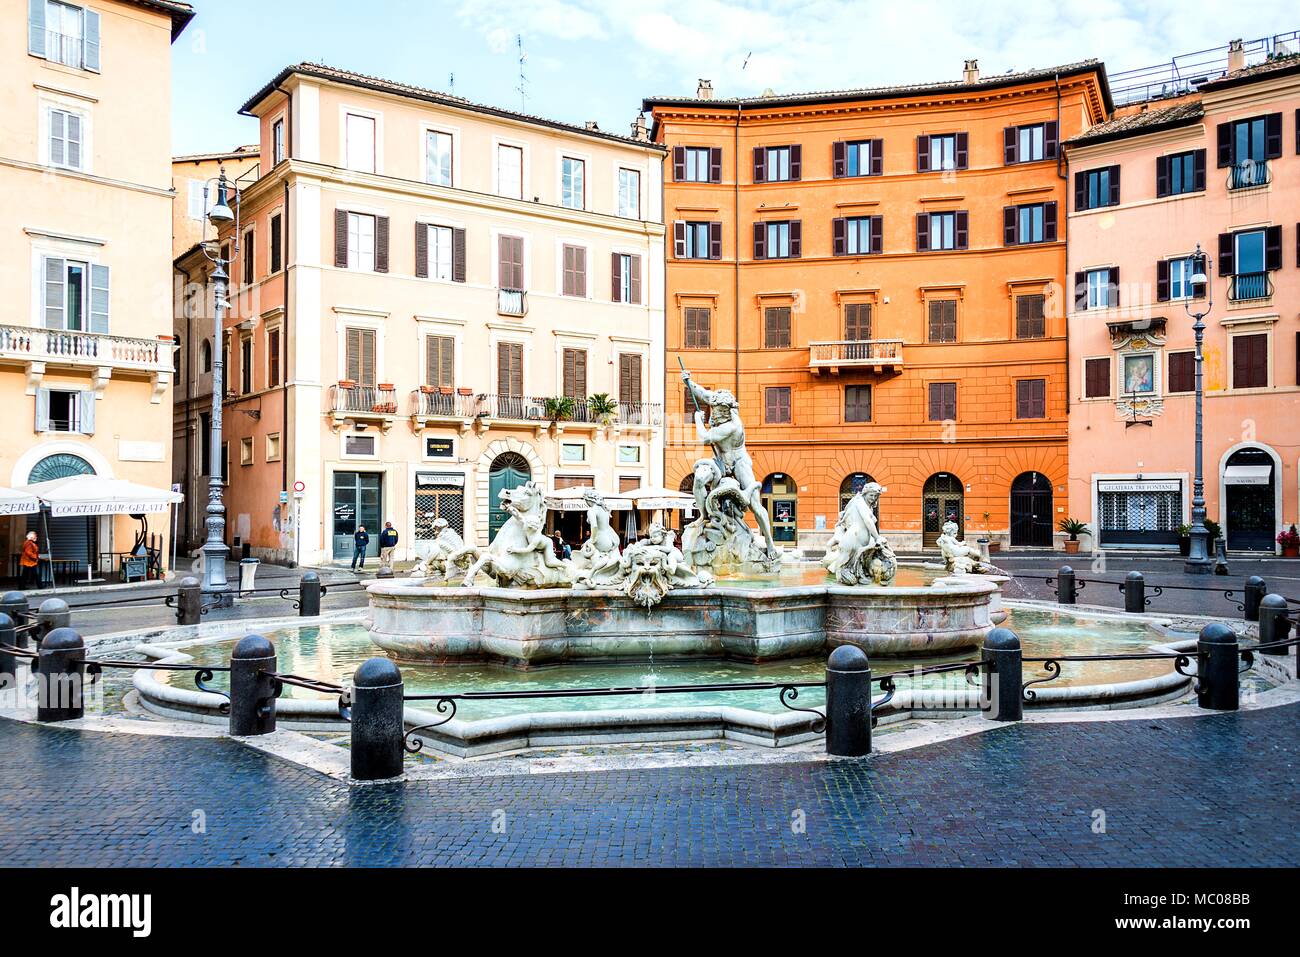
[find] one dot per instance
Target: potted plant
(1184, 540)
(1074, 528)
(347, 383)
(1215, 531)
(386, 387)
(1290, 542)
(602, 407)
(464, 390)
(559, 408)
(428, 389)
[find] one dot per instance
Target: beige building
(191, 175)
(85, 250)
(420, 281)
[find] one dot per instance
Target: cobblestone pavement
(1205, 791)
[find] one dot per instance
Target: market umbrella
(18, 502)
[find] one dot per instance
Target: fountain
(722, 594)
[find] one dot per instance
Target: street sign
(300, 486)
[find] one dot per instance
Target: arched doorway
(780, 495)
(71, 541)
(1250, 517)
(942, 500)
(508, 470)
(1031, 510)
(852, 485)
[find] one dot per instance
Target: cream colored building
(191, 175)
(416, 275)
(85, 256)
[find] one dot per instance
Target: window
(510, 262)
(246, 450)
(575, 373)
(629, 378)
(944, 152)
(776, 405)
(776, 327)
(1028, 144)
(778, 240)
(697, 164)
(937, 231)
(857, 158)
(857, 321)
(197, 205)
(273, 447)
(245, 365)
(1248, 257)
(943, 401)
(1031, 223)
(573, 173)
(777, 164)
(1097, 288)
(75, 296)
(1096, 378)
(697, 332)
(857, 403)
(272, 358)
(360, 143)
(574, 267)
(1180, 173)
(1031, 398)
(1174, 280)
(629, 193)
(66, 139)
(361, 242)
(65, 410)
(693, 240)
(440, 361)
(1030, 320)
(225, 463)
(573, 452)
(205, 357)
(1094, 188)
(246, 274)
(943, 320)
(1250, 361)
(625, 278)
(856, 235)
(360, 446)
(1182, 372)
(359, 365)
(437, 158)
(510, 368)
(63, 33)
(277, 243)
(1246, 146)
(510, 171)
(629, 455)
(277, 142)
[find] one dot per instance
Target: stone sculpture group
(857, 553)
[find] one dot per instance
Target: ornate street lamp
(1198, 558)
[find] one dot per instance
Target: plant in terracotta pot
(560, 408)
(602, 407)
(1074, 528)
(1290, 542)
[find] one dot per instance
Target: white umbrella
(570, 500)
(96, 495)
(654, 497)
(15, 502)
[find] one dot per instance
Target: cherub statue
(653, 566)
(961, 559)
(445, 556)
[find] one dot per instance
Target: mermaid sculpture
(597, 562)
(857, 553)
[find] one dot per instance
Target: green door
(357, 501)
(508, 471)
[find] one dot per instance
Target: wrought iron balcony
(445, 404)
(66, 49)
(351, 400)
(648, 414)
(1249, 174)
(1247, 286)
(875, 354)
(512, 302)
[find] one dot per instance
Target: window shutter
(760, 169)
(760, 241)
(1080, 191)
(1022, 399)
(634, 284)
(715, 164)
(923, 154)
(1162, 280)
(961, 229)
(796, 161)
(1049, 222)
(877, 156)
(1198, 169)
(934, 411)
(458, 255)
(580, 271)
(42, 410)
(839, 167)
(1051, 139)
(679, 239)
(58, 137)
(615, 278)
(1225, 144)
(1273, 248)
(571, 373)
(922, 232)
(715, 240)
(963, 153)
(352, 365)
(877, 233)
(1114, 186)
(86, 419)
(99, 299)
(796, 238)
(1010, 222)
(36, 27)
(1112, 281)
(1162, 175)
(422, 250)
(679, 163)
(381, 244)
(55, 292)
(1080, 291)
(1273, 136)
(1096, 383)
(341, 238)
(838, 241)
(277, 244)
(1010, 141)
(90, 46)
(1225, 254)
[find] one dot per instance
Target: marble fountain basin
(751, 620)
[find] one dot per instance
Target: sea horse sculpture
(857, 553)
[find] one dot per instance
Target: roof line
(181, 13)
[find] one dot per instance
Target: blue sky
(596, 59)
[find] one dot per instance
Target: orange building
(877, 274)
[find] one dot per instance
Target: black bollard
(53, 613)
(309, 590)
(848, 702)
(59, 690)
(253, 690)
(1135, 592)
(8, 661)
(377, 727)
(1003, 676)
(1255, 590)
(1274, 625)
(1065, 592)
(1220, 557)
(189, 602)
(1216, 668)
(14, 604)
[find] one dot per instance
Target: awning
(570, 500)
(651, 498)
(96, 495)
(15, 502)
(1247, 474)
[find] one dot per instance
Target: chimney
(639, 131)
(971, 72)
(705, 90)
(592, 125)
(1236, 56)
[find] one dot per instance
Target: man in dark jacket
(361, 540)
(387, 542)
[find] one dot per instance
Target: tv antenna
(523, 80)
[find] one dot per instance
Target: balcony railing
(1248, 174)
(1250, 285)
(512, 302)
(66, 49)
(62, 346)
(854, 353)
(446, 405)
(640, 413)
(348, 399)
(531, 408)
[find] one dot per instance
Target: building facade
(85, 250)
(1217, 170)
(191, 176)
(878, 276)
(434, 300)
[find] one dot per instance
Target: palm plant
(602, 407)
(1073, 527)
(560, 407)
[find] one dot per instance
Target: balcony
(67, 49)
(875, 355)
(1249, 174)
(512, 302)
(102, 355)
(363, 403)
(1249, 287)
(515, 410)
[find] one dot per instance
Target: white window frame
(940, 158)
(690, 151)
(1185, 280)
(279, 143)
(196, 199)
(581, 446)
(66, 105)
(1104, 273)
(355, 262)
(618, 191)
(69, 252)
(939, 222)
(566, 156)
(449, 131)
(1029, 137)
(355, 456)
(346, 110)
(432, 264)
(81, 34)
(524, 178)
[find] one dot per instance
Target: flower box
(347, 383)
(428, 389)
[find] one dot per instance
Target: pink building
(1218, 168)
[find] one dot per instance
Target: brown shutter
(1273, 246)
(1051, 139)
(857, 321)
(796, 238)
(360, 359)
(760, 241)
(1225, 254)
(458, 255)
(1113, 283)
(961, 232)
(679, 240)
(1080, 291)
(634, 284)
(877, 233)
(877, 156)
(715, 240)
(1049, 222)
(922, 232)
(1198, 169)
(510, 368)
(1273, 136)
(439, 361)
(1162, 176)
(1114, 186)
(838, 242)
(963, 153)
(796, 162)
(341, 238)
(679, 163)
(839, 167)
(1080, 191)
(510, 262)
(1162, 280)
(1010, 223)
(923, 154)
(715, 164)
(760, 168)
(352, 358)
(615, 277)
(381, 244)
(566, 271)
(422, 250)
(1224, 145)
(575, 373)
(1010, 141)
(629, 377)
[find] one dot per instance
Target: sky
(597, 59)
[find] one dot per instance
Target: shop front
(1139, 512)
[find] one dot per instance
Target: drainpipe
(735, 269)
(189, 403)
(1063, 172)
(285, 430)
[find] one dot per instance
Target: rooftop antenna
(451, 79)
(523, 80)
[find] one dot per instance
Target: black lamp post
(1198, 557)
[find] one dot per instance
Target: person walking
(387, 543)
(361, 539)
(29, 560)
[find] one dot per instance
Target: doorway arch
(780, 496)
(508, 470)
(68, 538)
(1031, 511)
(943, 499)
(1250, 478)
